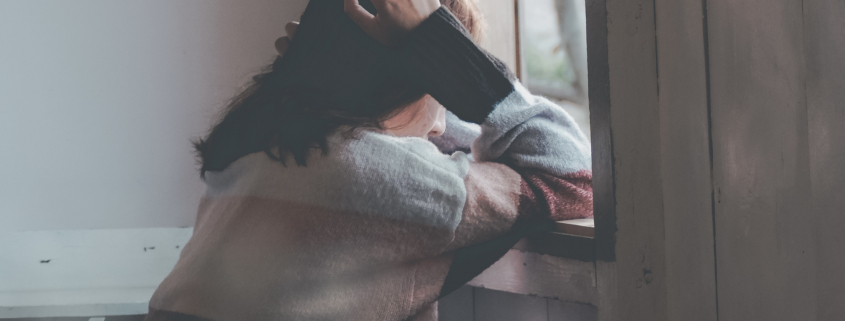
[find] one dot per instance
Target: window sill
(582, 227)
(571, 239)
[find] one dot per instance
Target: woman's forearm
(443, 59)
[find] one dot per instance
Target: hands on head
(283, 42)
(393, 20)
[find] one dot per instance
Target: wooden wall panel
(637, 273)
(685, 151)
(824, 39)
(503, 306)
(479, 304)
(570, 311)
(762, 79)
(457, 306)
(540, 275)
(765, 238)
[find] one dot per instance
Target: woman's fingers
(282, 45)
(364, 19)
(358, 14)
(395, 18)
(290, 28)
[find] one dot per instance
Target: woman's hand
(283, 42)
(394, 18)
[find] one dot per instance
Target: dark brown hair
(273, 117)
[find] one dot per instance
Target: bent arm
(532, 162)
(545, 155)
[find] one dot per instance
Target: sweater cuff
(450, 67)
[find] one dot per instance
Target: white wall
(99, 101)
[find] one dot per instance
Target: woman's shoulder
(369, 172)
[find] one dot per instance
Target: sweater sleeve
(531, 161)
(532, 167)
(523, 140)
(446, 63)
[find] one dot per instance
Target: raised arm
(531, 135)
(531, 161)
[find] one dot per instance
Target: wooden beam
(627, 184)
(685, 160)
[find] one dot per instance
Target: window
(553, 54)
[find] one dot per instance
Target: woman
(316, 210)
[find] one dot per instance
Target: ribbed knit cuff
(450, 67)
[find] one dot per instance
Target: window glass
(553, 52)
